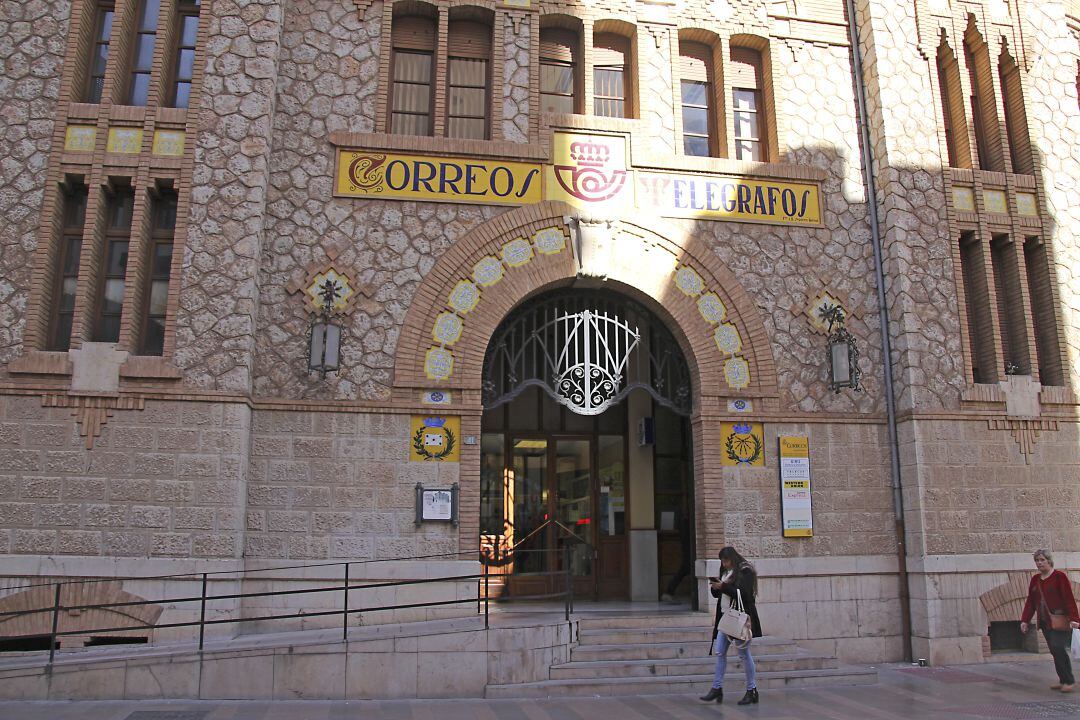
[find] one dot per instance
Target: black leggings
(1059, 641)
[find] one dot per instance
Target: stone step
(672, 684)
(655, 650)
(633, 622)
(676, 642)
(780, 662)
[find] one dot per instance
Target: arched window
(983, 105)
(952, 108)
(1016, 127)
(696, 88)
(750, 131)
(560, 70)
(468, 76)
(612, 75)
(412, 68)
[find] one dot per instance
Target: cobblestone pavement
(997, 690)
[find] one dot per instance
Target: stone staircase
(669, 653)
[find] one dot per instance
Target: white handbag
(735, 622)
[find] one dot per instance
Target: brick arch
(1005, 602)
(664, 248)
(74, 595)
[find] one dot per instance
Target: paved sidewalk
(1015, 690)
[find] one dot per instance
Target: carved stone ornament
(92, 412)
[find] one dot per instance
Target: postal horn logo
(588, 178)
(742, 445)
(366, 172)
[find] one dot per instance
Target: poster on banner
(797, 515)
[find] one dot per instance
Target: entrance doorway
(573, 383)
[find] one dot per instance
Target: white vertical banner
(797, 515)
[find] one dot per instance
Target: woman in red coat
(1050, 594)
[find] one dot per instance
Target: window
(99, 56)
(1010, 305)
(412, 69)
(119, 207)
(696, 90)
(67, 276)
(952, 107)
(468, 79)
(611, 75)
(1015, 116)
(983, 110)
(160, 265)
(1043, 316)
(560, 77)
(142, 60)
(977, 303)
(187, 30)
(746, 104)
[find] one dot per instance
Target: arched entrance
(585, 449)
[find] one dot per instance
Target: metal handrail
(482, 599)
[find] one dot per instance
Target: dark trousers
(1058, 641)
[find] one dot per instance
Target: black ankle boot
(716, 694)
(750, 698)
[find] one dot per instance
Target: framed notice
(437, 504)
(796, 513)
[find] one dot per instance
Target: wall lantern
(324, 347)
(843, 352)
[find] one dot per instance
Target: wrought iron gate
(585, 349)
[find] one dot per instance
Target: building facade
(580, 255)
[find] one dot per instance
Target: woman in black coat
(738, 579)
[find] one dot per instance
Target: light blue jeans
(723, 642)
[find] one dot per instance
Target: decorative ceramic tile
(488, 271)
(80, 138)
(447, 328)
(549, 241)
(727, 339)
(517, 252)
(1026, 205)
(963, 199)
(344, 290)
(687, 280)
(168, 142)
(126, 141)
(737, 373)
(817, 306)
(438, 363)
(464, 297)
(995, 202)
(436, 397)
(740, 406)
(711, 308)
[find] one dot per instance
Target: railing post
(55, 625)
(345, 615)
(569, 582)
(202, 613)
(487, 596)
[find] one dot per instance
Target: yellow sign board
(587, 170)
(590, 171)
(742, 444)
(435, 439)
(438, 179)
(721, 197)
(796, 508)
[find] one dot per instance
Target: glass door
(575, 510)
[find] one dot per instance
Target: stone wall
(166, 481)
(339, 485)
(219, 288)
(34, 38)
